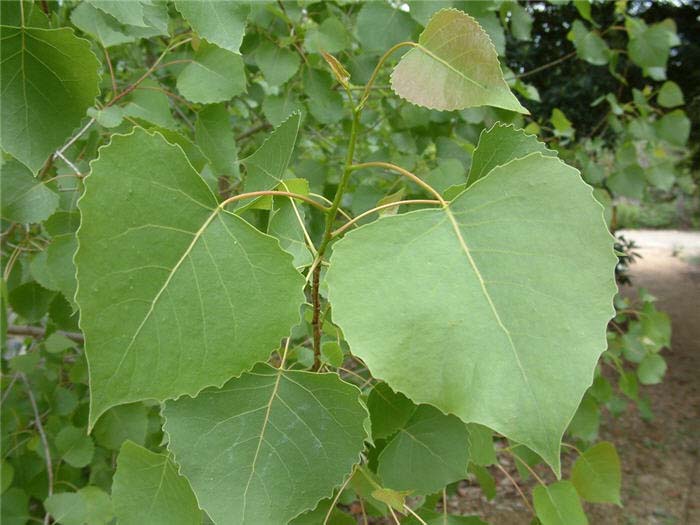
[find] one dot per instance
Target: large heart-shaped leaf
(49, 79)
(268, 445)
(175, 293)
(453, 66)
(493, 308)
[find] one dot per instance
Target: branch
(543, 67)
(253, 130)
(44, 441)
(38, 332)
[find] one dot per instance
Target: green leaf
(520, 21)
(651, 370)
(325, 104)
(173, 289)
(596, 474)
(453, 66)
(22, 197)
(109, 117)
(428, 452)
(89, 506)
(220, 22)
(515, 287)
(15, 507)
(150, 104)
(499, 145)
(656, 327)
(110, 32)
(74, 446)
(380, 26)
(276, 63)
(670, 95)
(216, 75)
(584, 9)
(215, 138)
(268, 445)
(674, 127)
(562, 125)
(589, 45)
(49, 79)
(148, 489)
(332, 353)
(481, 449)
(558, 504)
(485, 480)
(286, 220)
(448, 173)
(330, 36)
(30, 301)
(265, 169)
(129, 13)
(388, 410)
(7, 474)
(122, 423)
(421, 11)
(650, 47)
(586, 420)
(628, 182)
(278, 108)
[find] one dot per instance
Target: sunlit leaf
(221, 22)
(152, 239)
(268, 445)
(453, 66)
(500, 268)
(148, 489)
(49, 77)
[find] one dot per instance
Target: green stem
(385, 56)
(327, 236)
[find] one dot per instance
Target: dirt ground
(661, 474)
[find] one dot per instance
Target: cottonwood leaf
(111, 32)
(149, 105)
(453, 66)
(129, 13)
(276, 63)
(286, 220)
(330, 36)
(24, 198)
(430, 451)
(589, 45)
(220, 22)
(670, 95)
(175, 293)
(278, 108)
(265, 168)
(497, 308)
(388, 410)
(596, 474)
(381, 25)
(268, 445)
(48, 79)
(558, 504)
(499, 145)
(215, 138)
(215, 75)
(88, 506)
(148, 489)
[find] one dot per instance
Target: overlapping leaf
(453, 66)
(268, 445)
(148, 489)
(493, 308)
(49, 77)
(221, 22)
(176, 294)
